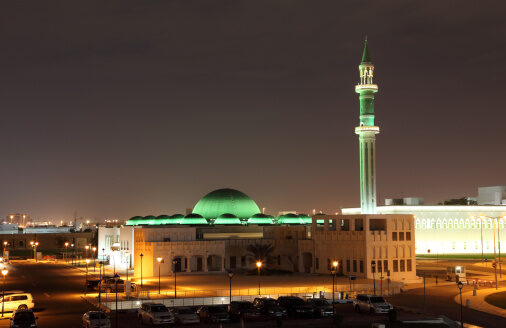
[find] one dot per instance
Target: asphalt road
(440, 301)
(56, 290)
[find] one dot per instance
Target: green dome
(177, 216)
(226, 201)
(227, 218)
(260, 218)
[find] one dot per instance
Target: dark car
(321, 307)
(110, 284)
(213, 314)
(23, 318)
(268, 307)
(295, 306)
(243, 309)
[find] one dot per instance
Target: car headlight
(271, 311)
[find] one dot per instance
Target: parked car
(96, 319)
(268, 307)
(154, 314)
(23, 318)
(109, 284)
(371, 303)
(321, 307)
(184, 315)
(243, 309)
(295, 306)
(215, 313)
(17, 300)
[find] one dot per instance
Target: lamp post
(424, 310)
(66, 249)
(373, 266)
(335, 264)
(7, 243)
(174, 262)
(259, 266)
(86, 280)
(94, 249)
(87, 247)
(460, 285)
(72, 245)
(100, 285)
(4, 273)
(495, 258)
(142, 255)
(230, 276)
(160, 261)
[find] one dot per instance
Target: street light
(230, 276)
(94, 249)
(175, 278)
(34, 245)
(7, 243)
(259, 266)
(460, 285)
(127, 254)
(160, 261)
(4, 273)
(335, 264)
(142, 255)
(87, 247)
(66, 248)
(373, 266)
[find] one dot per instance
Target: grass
(497, 299)
(456, 256)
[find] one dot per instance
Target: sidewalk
(478, 302)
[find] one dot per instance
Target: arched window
(490, 223)
(438, 224)
(450, 224)
(468, 224)
(445, 224)
(417, 224)
(473, 223)
(462, 224)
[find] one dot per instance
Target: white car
(185, 315)
(154, 314)
(371, 304)
(17, 300)
(96, 319)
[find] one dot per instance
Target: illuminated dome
(260, 218)
(226, 201)
(227, 218)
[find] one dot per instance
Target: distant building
(492, 195)
(18, 218)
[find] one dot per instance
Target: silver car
(371, 304)
(185, 315)
(154, 314)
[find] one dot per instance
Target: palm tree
(260, 252)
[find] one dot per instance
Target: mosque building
(226, 225)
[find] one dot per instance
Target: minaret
(367, 134)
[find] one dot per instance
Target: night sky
(122, 108)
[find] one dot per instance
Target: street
(55, 288)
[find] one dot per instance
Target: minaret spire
(367, 133)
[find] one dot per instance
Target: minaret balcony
(365, 128)
(360, 87)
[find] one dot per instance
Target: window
(403, 268)
(348, 268)
(317, 263)
(385, 265)
(361, 266)
(19, 298)
(380, 269)
(279, 259)
(394, 236)
(396, 266)
(232, 262)
(408, 235)
(354, 265)
(243, 261)
(409, 265)
(373, 267)
(401, 236)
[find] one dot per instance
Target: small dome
(260, 218)
(223, 201)
(162, 217)
(193, 218)
(136, 218)
(177, 216)
(227, 218)
(149, 217)
(290, 218)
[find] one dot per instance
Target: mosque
(223, 227)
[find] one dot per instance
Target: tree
(460, 201)
(260, 252)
